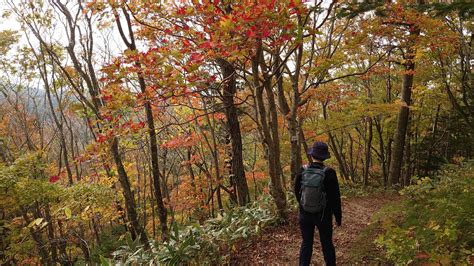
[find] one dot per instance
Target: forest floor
(353, 240)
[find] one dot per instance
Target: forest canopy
(130, 125)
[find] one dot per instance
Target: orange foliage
(257, 175)
(182, 141)
(189, 196)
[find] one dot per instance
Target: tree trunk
(272, 121)
(94, 102)
(382, 156)
(155, 170)
(290, 113)
(408, 155)
(273, 125)
(153, 214)
(333, 145)
(130, 205)
(238, 171)
(402, 123)
(162, 213)
(368, 152)
(276, 189)
(404, 114)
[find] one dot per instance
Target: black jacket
(332, 191)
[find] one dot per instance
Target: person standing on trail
(317, 192)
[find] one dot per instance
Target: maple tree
(126, 123)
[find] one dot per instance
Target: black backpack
(313, 194)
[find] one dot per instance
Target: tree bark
(402, 123)
(368, 152)
(408, 155)
(404, 114)
(238, 171)
(382, 155)
(130, 205)
(276, 188)
(290, 112)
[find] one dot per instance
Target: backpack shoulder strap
(325, 168)
(304, 167)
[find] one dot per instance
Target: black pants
(308, 222)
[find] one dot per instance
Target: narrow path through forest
(280, 245)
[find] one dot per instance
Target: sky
(107, 42)
(10, 23)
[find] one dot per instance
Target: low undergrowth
(203, 244)
(433, 225)
(358, 190)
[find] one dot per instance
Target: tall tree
(407, 86)
(155, 169)
(84, 66)
(229, 90)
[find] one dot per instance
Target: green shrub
(204, 244)
(435, 223)
(110, 240)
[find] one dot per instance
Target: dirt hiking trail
(281, 244)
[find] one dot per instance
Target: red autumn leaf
(292, 4)
(251, 32)
(101, 138)
(206, 45)
(107, 97)
(53, 179)
(219, 116)
(265, 33)
(137, 126)
(196, 57)
(107, 117)
(181, 141)
(193, 78)
(181, 11)
(186, 43)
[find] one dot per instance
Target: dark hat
(319, 151)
